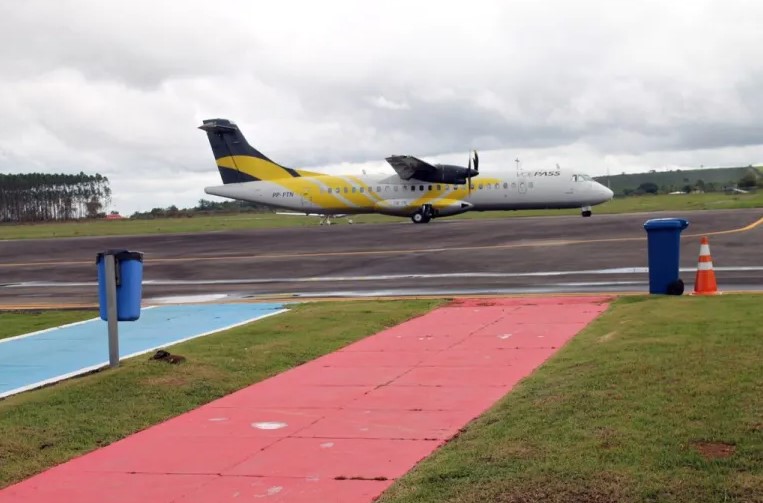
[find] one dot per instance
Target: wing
(408, 167)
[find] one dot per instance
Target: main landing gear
(586, 211)
(423, 215)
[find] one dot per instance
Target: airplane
(418, 190)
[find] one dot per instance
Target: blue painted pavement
(32, 360)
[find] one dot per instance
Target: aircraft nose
(605, 193)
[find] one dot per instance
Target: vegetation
(14, 323)
(694, 180)
(204, 208)
(658, 400)
(42, 428)
(38, 197)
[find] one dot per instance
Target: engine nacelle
(448, 173)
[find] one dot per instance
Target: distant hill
(712, 179)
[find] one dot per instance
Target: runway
(604, 253)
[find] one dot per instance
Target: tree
(748, 181)
(45, 196)
(648, 188)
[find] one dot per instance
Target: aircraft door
(307, 201)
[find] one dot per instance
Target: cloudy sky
(118, 88)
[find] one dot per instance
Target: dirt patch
(607, 337)
(714, 450)
(182, 376)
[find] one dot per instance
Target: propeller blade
(469, 176)
(476, 161)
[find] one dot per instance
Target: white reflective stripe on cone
(704, 250)
(705, 266)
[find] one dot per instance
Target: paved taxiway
(529, 254)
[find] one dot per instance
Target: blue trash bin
(129, 271)
(664, 249)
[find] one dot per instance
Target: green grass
(14, 323)
(42, 428)
(687, 202)
(617, 415)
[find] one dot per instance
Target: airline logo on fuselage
(538, 173)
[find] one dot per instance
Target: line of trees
(39, 197)
(204, 207)
(750, 181)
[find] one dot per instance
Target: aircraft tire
(586, 213)
(419, 218)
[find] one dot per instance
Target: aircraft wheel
(586, 213)
(419, 218)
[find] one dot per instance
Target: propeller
(469, 170)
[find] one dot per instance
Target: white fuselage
(388, 194)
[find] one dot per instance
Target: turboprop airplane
(418, 190)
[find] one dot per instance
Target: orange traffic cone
(704, 283)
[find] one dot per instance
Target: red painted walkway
(341, 428)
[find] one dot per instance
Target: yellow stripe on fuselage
(461, 192)
(322, 191)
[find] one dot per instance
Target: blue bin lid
(120, 255)
(666, 223)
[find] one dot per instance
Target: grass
(623, 413)
(687, 202)
(45, 427)
(14, 323)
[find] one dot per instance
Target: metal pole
(111, 305)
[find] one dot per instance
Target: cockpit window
(581, 178)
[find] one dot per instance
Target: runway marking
(373, 277)
(277, 256)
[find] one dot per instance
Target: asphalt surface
(603, 253)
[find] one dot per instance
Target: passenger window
(395, 188)
(421, 188)
(505, 185)
(345, 190)
(530, 185)
(353, 189)
(471, 186)
(480, 186)
(439, 187)
(513, 185)
(378, 189)
(386, 188)
(430, 187)
(497, 186)
(336, 190)
(488, 186)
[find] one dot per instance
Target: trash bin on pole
(664, 250)
(129, 282)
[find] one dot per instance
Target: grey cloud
(120, 88)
